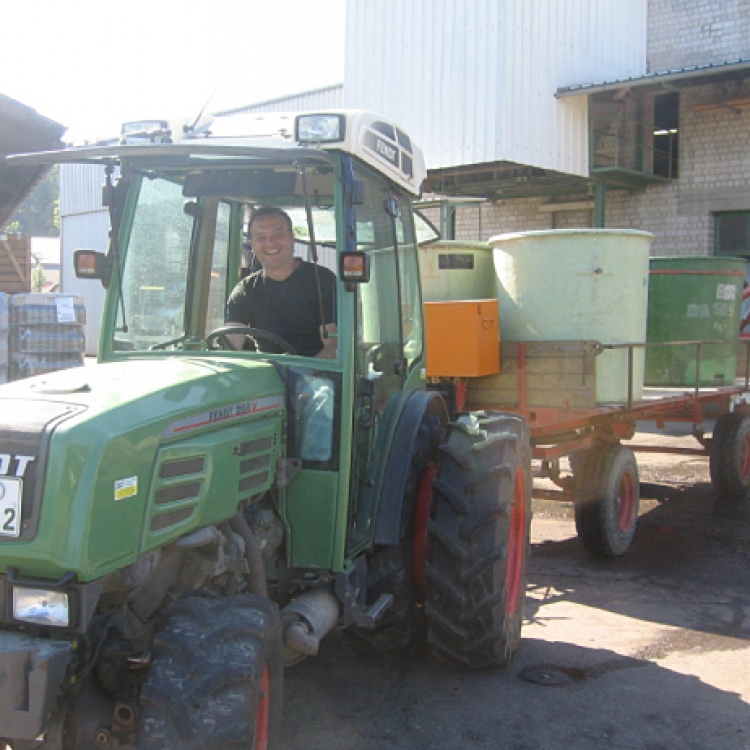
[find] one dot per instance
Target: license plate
(11, 492)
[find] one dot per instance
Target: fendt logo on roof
(388, 151)
(381, 148)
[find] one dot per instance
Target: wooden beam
(569, 206)
(18, 269)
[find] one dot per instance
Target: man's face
(273, 244)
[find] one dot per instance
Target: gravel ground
(648, 651)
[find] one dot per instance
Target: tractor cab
(180, 206)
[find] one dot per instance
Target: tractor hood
(148, 391)
(117, 459)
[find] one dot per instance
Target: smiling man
(282, 297)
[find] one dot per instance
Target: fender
(391, 499)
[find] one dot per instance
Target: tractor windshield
(184, 245)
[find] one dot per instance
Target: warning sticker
(125, 488)
(66, 311)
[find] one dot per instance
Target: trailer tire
(390, 568)
(578, 462)
(607, 500)
(729, 461)
(479, 541)
(216, 678)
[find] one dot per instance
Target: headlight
(41, 607)
(319, 128)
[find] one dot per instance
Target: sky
(94, 64)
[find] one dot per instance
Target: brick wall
(693, 32)
(714, 175)
(516, 216)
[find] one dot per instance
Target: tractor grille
(25, 430)
(255, 466)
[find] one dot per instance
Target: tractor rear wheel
(216, 676)
(729, 461)
(607, 499)
(479, 540)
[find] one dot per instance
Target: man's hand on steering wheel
(232, 337)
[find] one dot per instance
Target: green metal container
(693, 298)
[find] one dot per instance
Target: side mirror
(91, 264)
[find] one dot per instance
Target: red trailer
(552, 384)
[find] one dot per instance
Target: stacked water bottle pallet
(45, 333)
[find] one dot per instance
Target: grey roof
(663, 76)
(22, 129)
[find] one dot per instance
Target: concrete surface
(651, 650)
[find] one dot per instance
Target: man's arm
(330, 342)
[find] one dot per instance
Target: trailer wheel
(216, 676)
(729, 461)
(479, 541)
(578, 463)
(607, 499)
(391, 569)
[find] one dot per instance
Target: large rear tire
(479, 541)
(607, 500)
(216, 677)
(729, 462)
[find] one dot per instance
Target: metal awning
(665, 76)
(22, 129)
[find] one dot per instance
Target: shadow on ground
(344, 700)
(688, 546)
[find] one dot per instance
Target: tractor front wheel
(478, 541)
(216, 676)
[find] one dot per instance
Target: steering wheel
(219, 336)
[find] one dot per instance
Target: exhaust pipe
(306, 620)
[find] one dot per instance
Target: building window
(666, 135)
(732, 234)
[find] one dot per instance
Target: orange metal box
(463, 338)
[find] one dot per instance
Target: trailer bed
(556, 394)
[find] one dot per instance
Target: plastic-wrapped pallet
(3, 337)
(45, 333)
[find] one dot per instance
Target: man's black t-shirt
(287, 308)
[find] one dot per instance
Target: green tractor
(184, 519)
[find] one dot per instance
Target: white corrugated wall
(330, 97)
(84, 224)
(473, 81)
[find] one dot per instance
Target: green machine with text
(182, 520)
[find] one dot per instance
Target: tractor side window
(378, 338)
(217, 292)
(411, 298)
(313, 417)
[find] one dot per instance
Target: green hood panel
(176, 383)
(158, 449)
